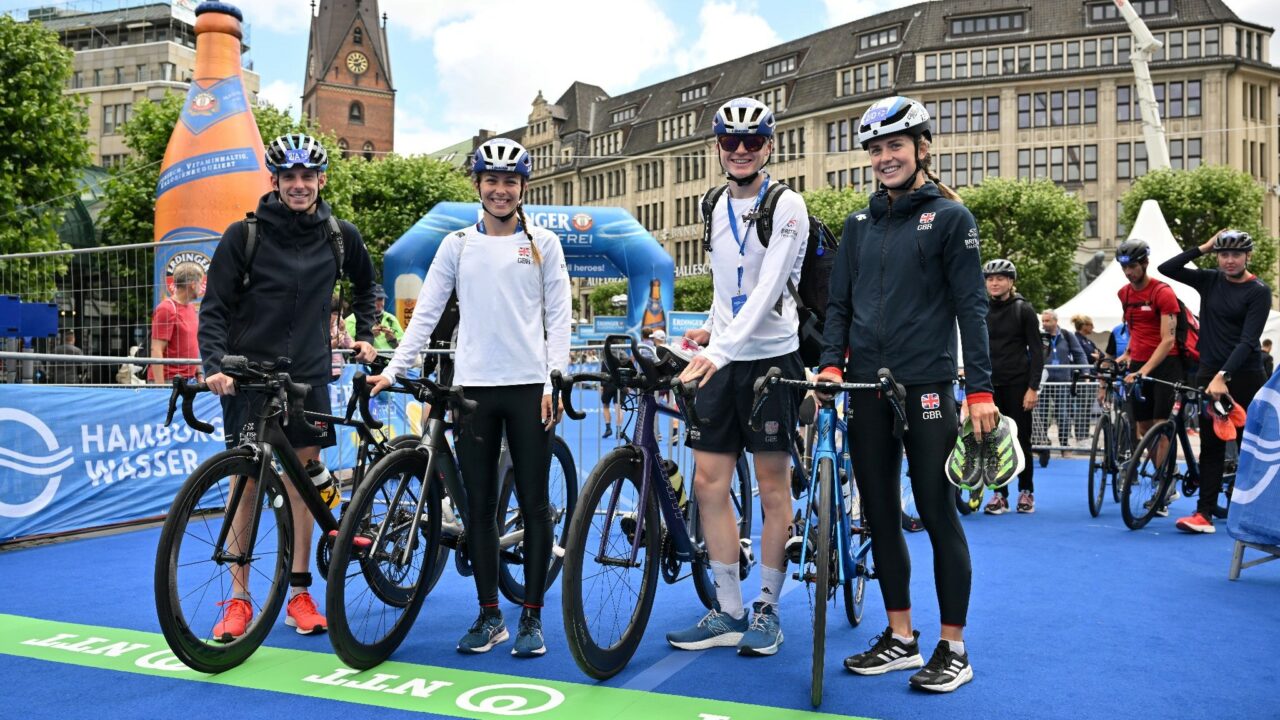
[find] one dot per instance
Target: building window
(342, 146)
(1091, 222)
(1040, 114)
(993, 61)
(944, 67)
(1124, 104)
(1107, 12)
(1006, 61)
(780, 67)
(987, 24)
(1024, 111)
(1139, 159)
(1055, 56)
(167, 71)
(623, 115)
(1174, 50)
(1040, 162)
(931, 67)
(1193, 153)
(1055, 108)
(357, 36)
(962, 65)
(1024, 164)
(1193, 44)
(1042, 58)
(1211, 42)
(1090, 162)
(1124, 168)
(355, 113)
(115, 116)
(1090, 106)
(694, 93)
(1024, 59)
(878, 38)
(1090, 53)
(1193, 98)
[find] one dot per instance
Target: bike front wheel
(1148, 476)
(384, 551)
(1100, 465)
(823, 560)
(606, 598)
(562, 486)
(221, 520)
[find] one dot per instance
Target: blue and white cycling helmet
(502, 155)
(296, 150)
(744, 116)
(893, 116)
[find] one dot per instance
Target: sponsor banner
(438, 691)
(679, 322)
(199, 167)
(592, 266)
(170, 258)
(1254, 514)
(113, 460)
(207, 106)
(609, 325)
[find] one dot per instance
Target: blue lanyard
(733, 225)
(1053, 348)
(480, 227)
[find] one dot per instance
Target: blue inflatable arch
(598, 242)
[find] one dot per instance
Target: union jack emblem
(929, 401)
(926, 217)
(523, 251)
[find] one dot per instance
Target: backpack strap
(709, 200)
(250, 223)
(337, 243)
(764, 219)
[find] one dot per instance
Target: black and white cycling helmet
(296, 150)
(1132, 250)
(892, 116)
(1233, 241)
(744, 116)
(1000, 266)
(502, 155)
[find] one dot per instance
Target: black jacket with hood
(285, 310)
(905, 274)
(1017, 357)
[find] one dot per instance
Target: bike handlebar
(187, 391)
(894, 392)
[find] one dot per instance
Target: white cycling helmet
(892, 116)
(1000, 266)
(744, 116)
(502, 155)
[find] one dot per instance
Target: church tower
(348, 90)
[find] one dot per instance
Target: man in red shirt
(1150, 310)
(173, 326)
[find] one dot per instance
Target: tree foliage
(601, 295)
(1198, 203)
(42, 151)
(693, 294)
(833, 206)
(1037, 225)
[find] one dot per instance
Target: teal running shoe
(964, 464)
(1002, 457)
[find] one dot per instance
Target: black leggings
(1009, 402)
(518, 410)
(1243, 386)
(877, 466)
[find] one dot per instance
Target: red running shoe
(304, 616)
(235, 620)
(1196, 523)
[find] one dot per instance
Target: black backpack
(814, 289)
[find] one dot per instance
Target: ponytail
(537, 256)
(947, 192)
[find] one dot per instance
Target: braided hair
(524, 223)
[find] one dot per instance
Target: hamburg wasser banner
(73, 458)
(1255, 502)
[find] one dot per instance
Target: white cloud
(283, 95)
(840, 12)
(418, 133)
(293, 17)
(727, 30)
(491, 63)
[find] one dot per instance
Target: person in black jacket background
(1013, 332)
(908, 272)
(284, 311)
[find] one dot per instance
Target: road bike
(1113, 437)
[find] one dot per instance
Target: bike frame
(825, 449)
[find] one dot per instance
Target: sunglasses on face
(752, 143)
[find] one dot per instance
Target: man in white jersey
(752, 328)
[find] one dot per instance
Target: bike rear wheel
(1148, 477)
(1124, 440)
(376, 585)
(562, 483)
(823, 558)
(606, 600)
(193, 571)
(1100, 464)
(855, 588)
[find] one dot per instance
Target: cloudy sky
(460, 65)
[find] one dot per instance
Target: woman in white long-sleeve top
(513, 330)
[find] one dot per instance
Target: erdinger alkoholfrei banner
(598, 242)
(74, 458)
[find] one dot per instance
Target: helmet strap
(743, 182)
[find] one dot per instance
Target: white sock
(295, 591)
(907, 639)
(957, 646)
(242, 596)
(771, 585)
(728, 589)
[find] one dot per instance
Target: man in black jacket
(1013, 333)
(283, 311)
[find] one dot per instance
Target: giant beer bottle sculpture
(212, 172)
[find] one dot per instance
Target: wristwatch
(1226, 376)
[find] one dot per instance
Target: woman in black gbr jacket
(907, 272)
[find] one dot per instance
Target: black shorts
(1157, 399)
(608, 395)
(724, 406)
(240, 414)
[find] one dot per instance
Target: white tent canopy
(1100, 300)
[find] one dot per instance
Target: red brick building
(348, 90)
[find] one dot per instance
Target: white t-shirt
(514, 313)
(759, 330)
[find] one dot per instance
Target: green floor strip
(397, 685)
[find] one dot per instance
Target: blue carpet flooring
(1071, 617)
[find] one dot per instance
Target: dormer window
(879, 38)
(1108, 12)
(622, 115)
(694, 93)
(982, 24)
(782, 66)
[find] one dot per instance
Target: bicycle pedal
(361, 542)
(557, 551)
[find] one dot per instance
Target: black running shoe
(886, 655)
(944, 672)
